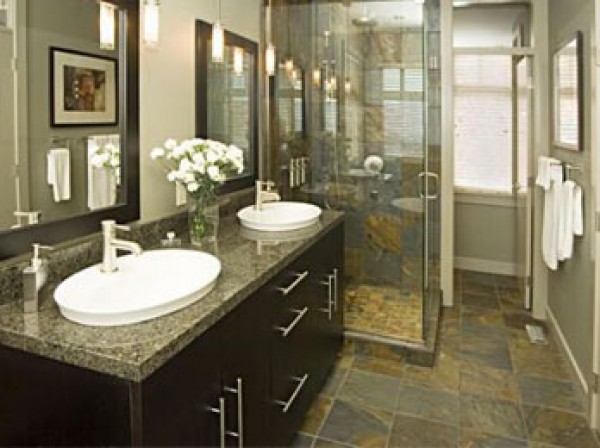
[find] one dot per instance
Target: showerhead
(364, 21)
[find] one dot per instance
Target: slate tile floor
(489, 388)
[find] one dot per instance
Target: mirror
(568, 94)
(69, 127)
(229, 90)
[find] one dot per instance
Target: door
(522, 138)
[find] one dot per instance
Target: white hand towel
(59, 173)
(566, 230)
(578, 211)
(102, 187)
(552, 214)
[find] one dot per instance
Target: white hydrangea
(199, 164)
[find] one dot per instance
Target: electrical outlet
(180, 195)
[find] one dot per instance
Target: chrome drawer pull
(329, 285)
(221, 412)
(299, 279)
(335, 289)
(288, 404)
(287, 330)
(239, 391)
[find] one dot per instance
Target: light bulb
(270, 60)
(151, 23)
(289, 65)
(316, 76)
(107, 26)
(238, 60)
(218, 42)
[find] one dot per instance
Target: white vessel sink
(280, 216)
(414, 205)
(156, 283)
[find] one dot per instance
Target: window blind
(483, 122)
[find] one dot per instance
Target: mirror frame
(203, 39)
(578, 38)
(18, 241)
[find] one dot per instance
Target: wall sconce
(270, 56)
(218, 39)
(107, 26)
(348, 86)
(316, 76)
(151, 23)
(289, 65)
(270, 60)
(238, 60)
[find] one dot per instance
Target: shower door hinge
(595, 383)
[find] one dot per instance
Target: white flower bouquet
(201, 166)
(107, 156)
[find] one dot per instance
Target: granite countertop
(133, 352)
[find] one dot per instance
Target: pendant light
(270, 55)
(151, 23)
(238, 60)
(107, 26)
(218, 39)
(289, 60)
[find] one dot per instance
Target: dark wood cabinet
(247, 381)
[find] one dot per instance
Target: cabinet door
(325, 298)
(180, 402)
(245, 372)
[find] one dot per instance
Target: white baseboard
(567, 349)
(488, 266)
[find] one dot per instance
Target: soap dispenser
(35, 277)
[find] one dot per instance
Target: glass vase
(203, 220)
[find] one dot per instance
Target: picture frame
(83, 89)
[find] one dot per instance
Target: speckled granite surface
(135, 351)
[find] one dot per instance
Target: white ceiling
(389, 13)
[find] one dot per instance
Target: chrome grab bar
(287, 330)
(299, 279)
(288, 404)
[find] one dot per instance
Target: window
(483, 122)
(403, 111)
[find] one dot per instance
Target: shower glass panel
(370, 138)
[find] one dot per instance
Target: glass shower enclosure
(354, 105)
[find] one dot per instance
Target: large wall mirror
(568, 94)
(69, 144)
(227, 99)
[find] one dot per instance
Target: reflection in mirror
(290, 102)
(229, 90)
(61, 102)
(568, 95)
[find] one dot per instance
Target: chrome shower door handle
(424, 185)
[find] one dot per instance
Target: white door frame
(594, 397)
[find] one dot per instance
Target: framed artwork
(83, 89)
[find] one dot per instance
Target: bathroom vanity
(239, 367)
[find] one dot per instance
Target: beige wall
(167, 86)
(571, 288)
(485, 233)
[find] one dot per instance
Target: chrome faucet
(111, 244)
(264, 194)
(35, 277)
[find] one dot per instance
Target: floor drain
(536, 334)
